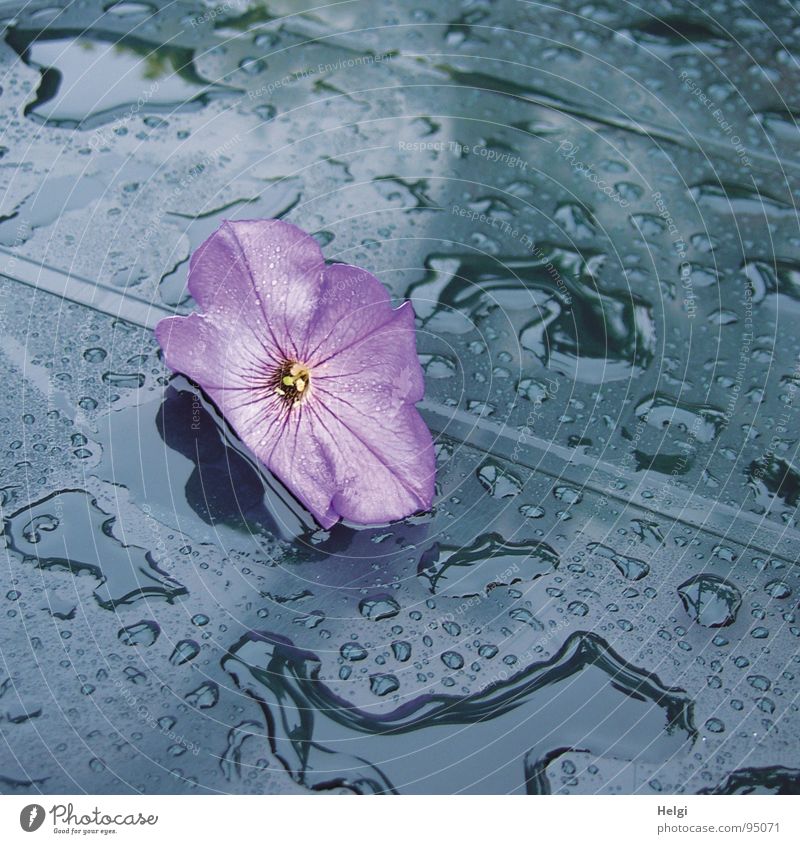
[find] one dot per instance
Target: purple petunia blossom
(312, 368)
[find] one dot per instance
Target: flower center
(291, 381)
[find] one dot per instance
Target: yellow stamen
(292, 382)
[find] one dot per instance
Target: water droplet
(451, 628)
(129, 380)
(453, 660)
(778, 589)
(353, 652)
(568, 494)
(709, 600)
(143, 633)
(383, 684)
(95, 355)
(629, 567)
(760, 682)
(499, 482)
(438, 366)
(204, 696)
(703, 422)
(401, 651)
(379, 607)
(185, 651)
(526, 617)
(252, 66)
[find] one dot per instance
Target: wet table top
(593, 210)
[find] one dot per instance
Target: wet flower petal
(212, 354)
(354, 304)
(263, 276)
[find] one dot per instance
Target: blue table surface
(593, 208)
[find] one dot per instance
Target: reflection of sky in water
(91, 82)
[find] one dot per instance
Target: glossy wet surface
(593, 209)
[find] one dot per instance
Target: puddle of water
(489, 562)
(88, 80)
(57, 195)
(585, 697)
(577, 330)
(69, 532)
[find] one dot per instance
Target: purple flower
(312, 368)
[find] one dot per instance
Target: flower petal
(381, 366)
(352, 305)
(383, 465)
(335, 472)
(363, 396)
(297, 458)
(265, 276)
(209, 354)
(285, 442)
